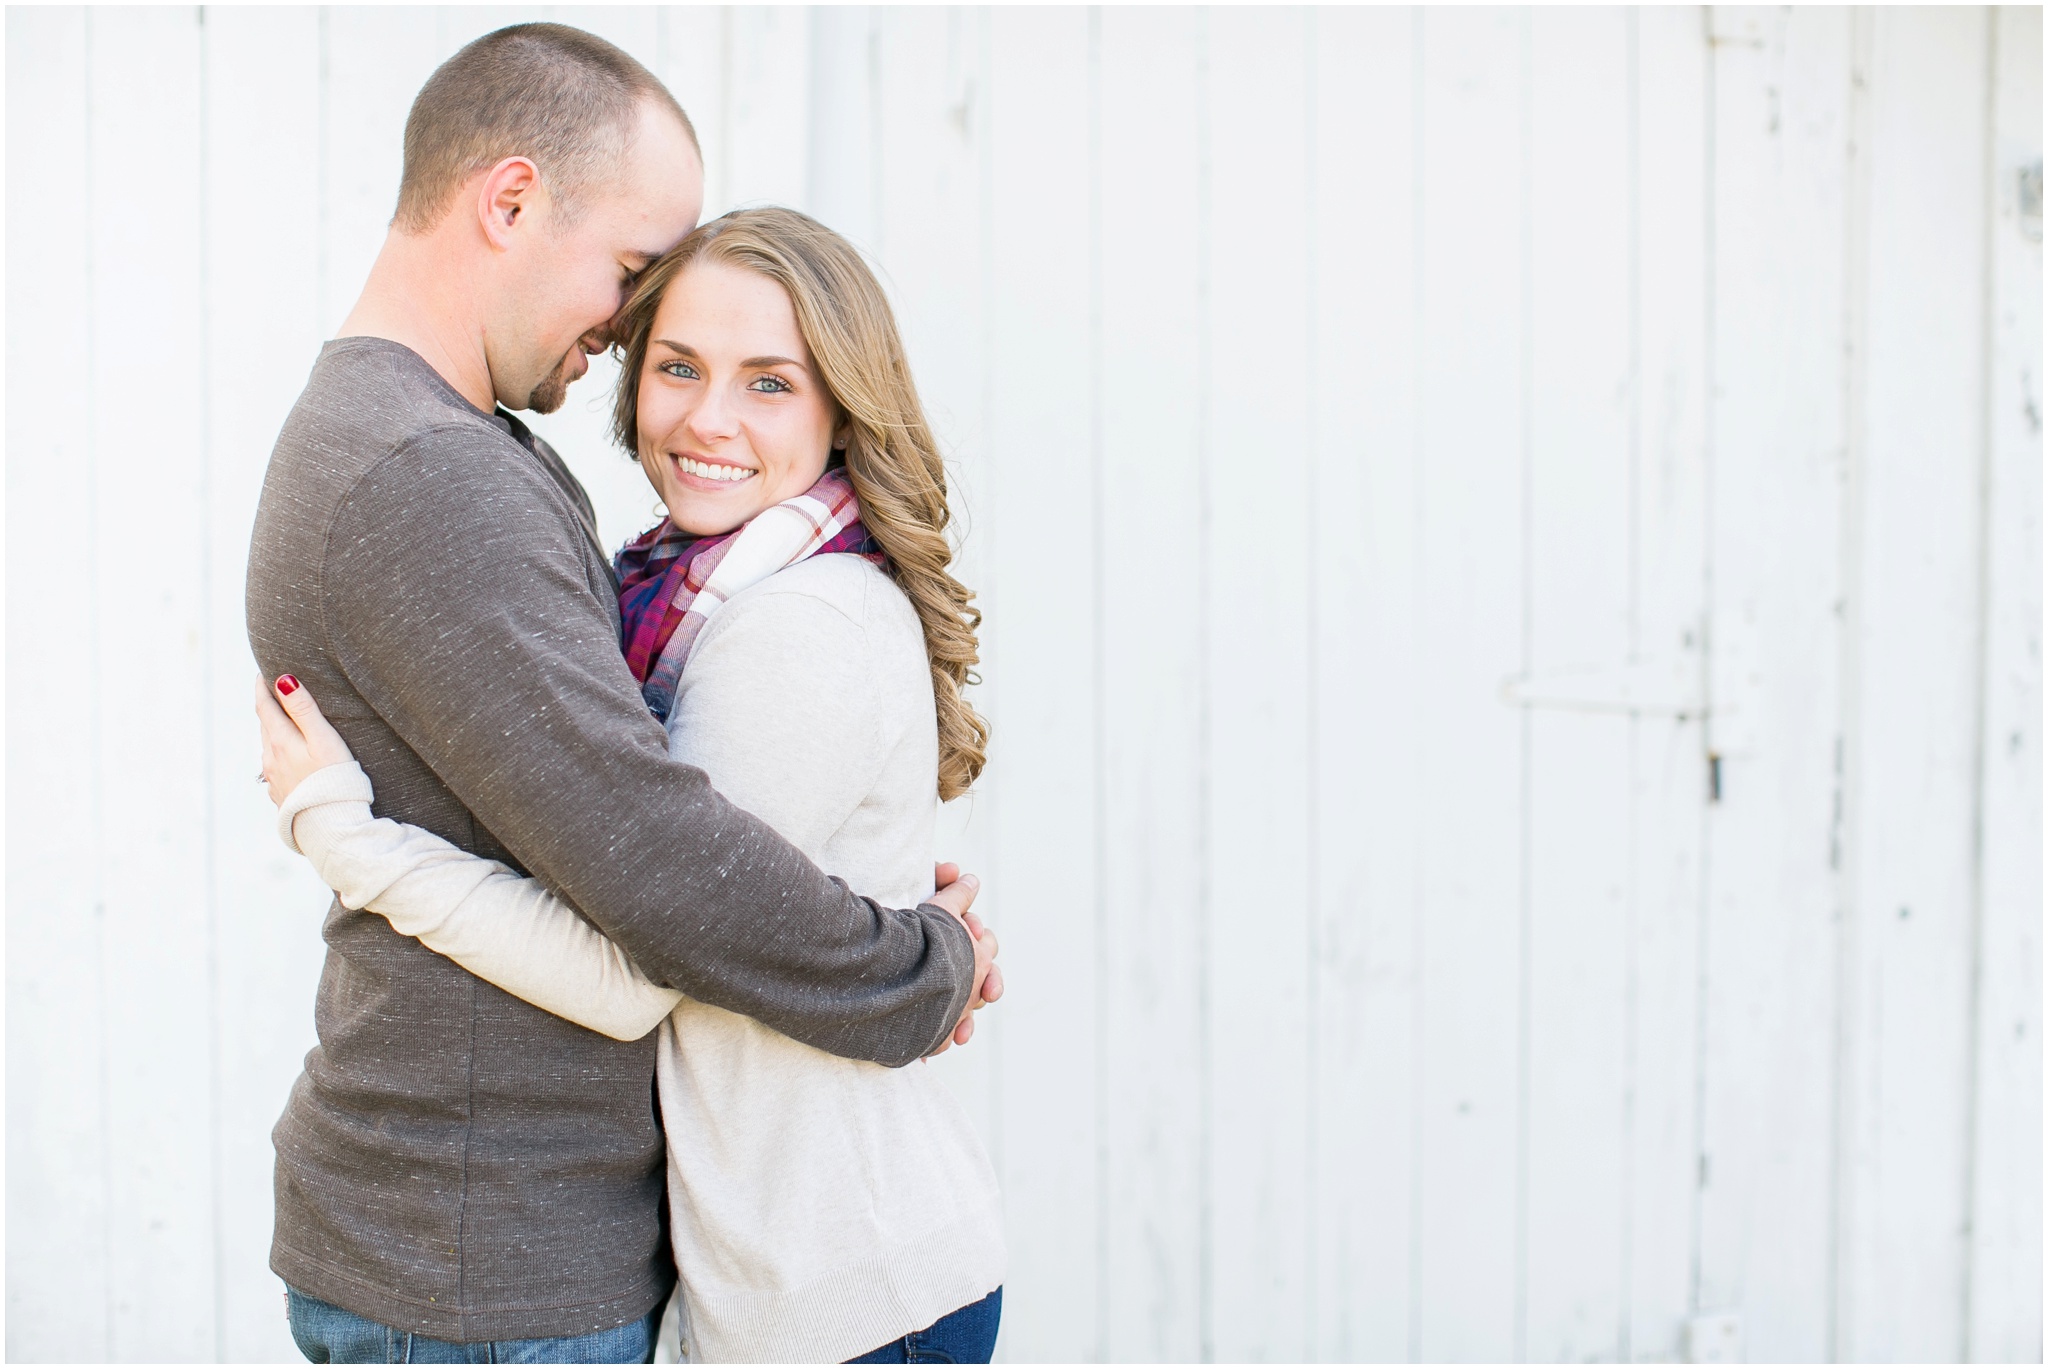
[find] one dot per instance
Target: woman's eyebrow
(675, 346)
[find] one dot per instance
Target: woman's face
(733, 415)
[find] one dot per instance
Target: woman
(793, 622)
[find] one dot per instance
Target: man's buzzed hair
(562, 97)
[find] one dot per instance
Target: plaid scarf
(670, 583)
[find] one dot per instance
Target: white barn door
(1511, 545)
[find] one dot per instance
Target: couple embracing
(637, 946)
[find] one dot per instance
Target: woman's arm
(503, 928)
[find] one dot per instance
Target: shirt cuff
(345, 783)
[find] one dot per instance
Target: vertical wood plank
(57, 1035)
(1780, 98)
(1148, 176)
(1668, 771)
(928, 160)
(150, 499)
(1912, 761)
(768, 106)
(1367, 767)
(1468, 641)
(844, 149)
(262, 333)
(1579, 600)
(1043, 664)
(373, 62)
(1257, 647)
(693, 41)
(2004, 1313)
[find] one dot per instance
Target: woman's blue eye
(681, 370)
(778, 386)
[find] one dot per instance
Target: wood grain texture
(1365, 824)
(1574, 1177)
(1147, 243)
(1779, 195)
(692, 43)
(372, 62)
(262, 332)
(1470, 574)
(1913, 688)
(163, 1266)
(1668, 753)
(927, 165)
(1044, 687)
(57, 1034)
(846, 146)
(1257, 665)
(767, 107)
(2004, 1312)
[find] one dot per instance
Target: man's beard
(549, 394)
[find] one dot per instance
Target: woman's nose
(713, 419)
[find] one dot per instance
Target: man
(461, 1175)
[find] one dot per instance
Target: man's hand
(956, 895)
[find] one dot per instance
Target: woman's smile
(708, 475)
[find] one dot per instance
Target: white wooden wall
(1398, 450)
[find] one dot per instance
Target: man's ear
(507, 196)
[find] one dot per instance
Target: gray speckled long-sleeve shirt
(453, 1161)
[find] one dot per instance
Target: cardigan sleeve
(503, 928)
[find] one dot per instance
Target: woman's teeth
(710, 472)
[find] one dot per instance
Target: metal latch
(1665, 686)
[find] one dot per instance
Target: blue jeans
(332, 1335)
(967, 1336)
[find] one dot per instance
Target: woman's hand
(297, 739)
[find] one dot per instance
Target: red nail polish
(286, 684)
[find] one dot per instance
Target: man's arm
(502, 927)
(458, 600)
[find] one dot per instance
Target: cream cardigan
(820, 1207)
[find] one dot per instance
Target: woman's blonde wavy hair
(897, 473)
